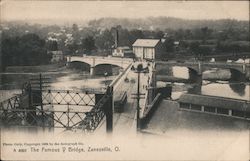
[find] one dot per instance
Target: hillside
(168, 23)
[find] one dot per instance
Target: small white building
(123, 51)
(147, 48)
(57, 56)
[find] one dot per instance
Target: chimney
(116, 38)
(1, 55)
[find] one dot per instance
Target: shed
(147, 48)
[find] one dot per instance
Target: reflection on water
(234, 90)
(60, 80)
(239, 88)
(78, 81)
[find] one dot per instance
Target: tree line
(197, 41)
(28, 49)
(29, 44)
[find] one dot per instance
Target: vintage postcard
(124, 80)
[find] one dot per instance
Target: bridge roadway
(125, 122)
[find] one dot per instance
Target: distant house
(123, 51)
(147, 48)
(57, 56)
(176, 45)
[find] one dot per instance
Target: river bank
(14, 79)
(36, 69)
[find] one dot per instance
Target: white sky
(86, 10)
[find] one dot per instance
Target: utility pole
(1, 56)
(139, 69)
(138, 102)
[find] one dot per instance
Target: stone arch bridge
(236, 69)
(94, 61)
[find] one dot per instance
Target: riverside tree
(28, 49)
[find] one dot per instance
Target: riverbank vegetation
(28, 49)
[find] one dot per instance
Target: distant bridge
(237, 69)
(94, 61)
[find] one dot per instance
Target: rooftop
(146, 42)
(123, 48)
(213, 101)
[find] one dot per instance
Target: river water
(72, 79)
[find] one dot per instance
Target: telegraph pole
(139, 69)
(138, 102)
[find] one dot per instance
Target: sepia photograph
(124, 80)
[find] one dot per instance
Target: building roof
(146, 42)
(213, 101)
(123, 47)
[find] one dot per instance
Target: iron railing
(21, 111)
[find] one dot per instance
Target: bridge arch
(117, 64)
(235, 73)
(192, 71)
(109, 68)
(80, 65)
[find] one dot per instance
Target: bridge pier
(198, 84)
(108, 108)
(91, 70)
(199, 68)
(195, 76)
(247, 71)
(238, 76)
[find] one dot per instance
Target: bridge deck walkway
(126, 122)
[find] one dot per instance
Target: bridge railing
(69, 58)
(203, 62)
(176, 63)
(37, 109)
(120, 77)
(153, 104)
(109, 57)
(149, 91)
